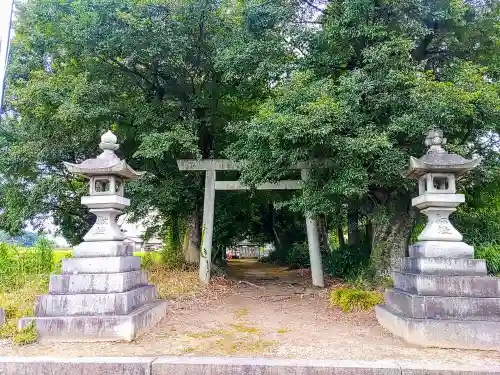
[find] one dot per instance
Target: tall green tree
(376, 76)
(270, 83)
(166, 76)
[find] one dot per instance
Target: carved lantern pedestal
(442, 296)
(101, 294)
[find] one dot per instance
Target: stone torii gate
(211, 166)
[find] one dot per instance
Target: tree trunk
(192, 239)
(324, 243)
(392, 227)
(369, 234)
(340, 234)
(278, 245)
(352, 227)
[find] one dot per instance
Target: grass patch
(236, 328)
(240, 313)
(256, 346)
(492, 256)
(241, 328)
(149, 259)
(8, 330)
(238, 346)
(20, 303)
(26, 335)
(187, 350)
(282, 331)
(355, 299)
(172, 283)
(208, 334)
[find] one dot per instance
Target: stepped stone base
(101, 295)
(88, 328)
(436, 307)
(94, 304)
(443, 298)
(445, 266)
(97, 282)
(438, 249)
(102, 249)
(441, 333)
(445, 285)
(101, 265)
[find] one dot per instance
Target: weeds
(8, 330)
(231, 346)
(208, 334)
(355, 299)
(492, 256)
(245, 329)
(240, 313)
(282, 331)
(172, 283)
(26, 335)
(24, 274)
(149, 260)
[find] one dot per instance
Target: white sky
(4, 19)
(5, 6)
(4, 15)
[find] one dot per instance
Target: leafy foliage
(19, 265)
(270, 84)
(346, 261)
(376, 77)
(479, 219)
(167, 77)
(298, 256)
(492, 256)
(26, 335)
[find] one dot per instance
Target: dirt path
(264, 311)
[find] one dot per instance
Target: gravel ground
(266, 312)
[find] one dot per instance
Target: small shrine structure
(102, 294)
(442, 296)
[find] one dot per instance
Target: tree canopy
(267, 83)
(377, 76)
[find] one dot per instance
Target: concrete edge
(229, 366)
(74, 366)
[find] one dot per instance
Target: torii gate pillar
(208, 227)
(313, 242)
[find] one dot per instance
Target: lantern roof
(107, 163)
(438, 160)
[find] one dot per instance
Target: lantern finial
(435, 141)
(108, 141)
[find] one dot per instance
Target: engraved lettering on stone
(100, 225)
(443, 225)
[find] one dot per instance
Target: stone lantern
(106, 175)
(436, 173)
(101, 294)
(442, 296)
